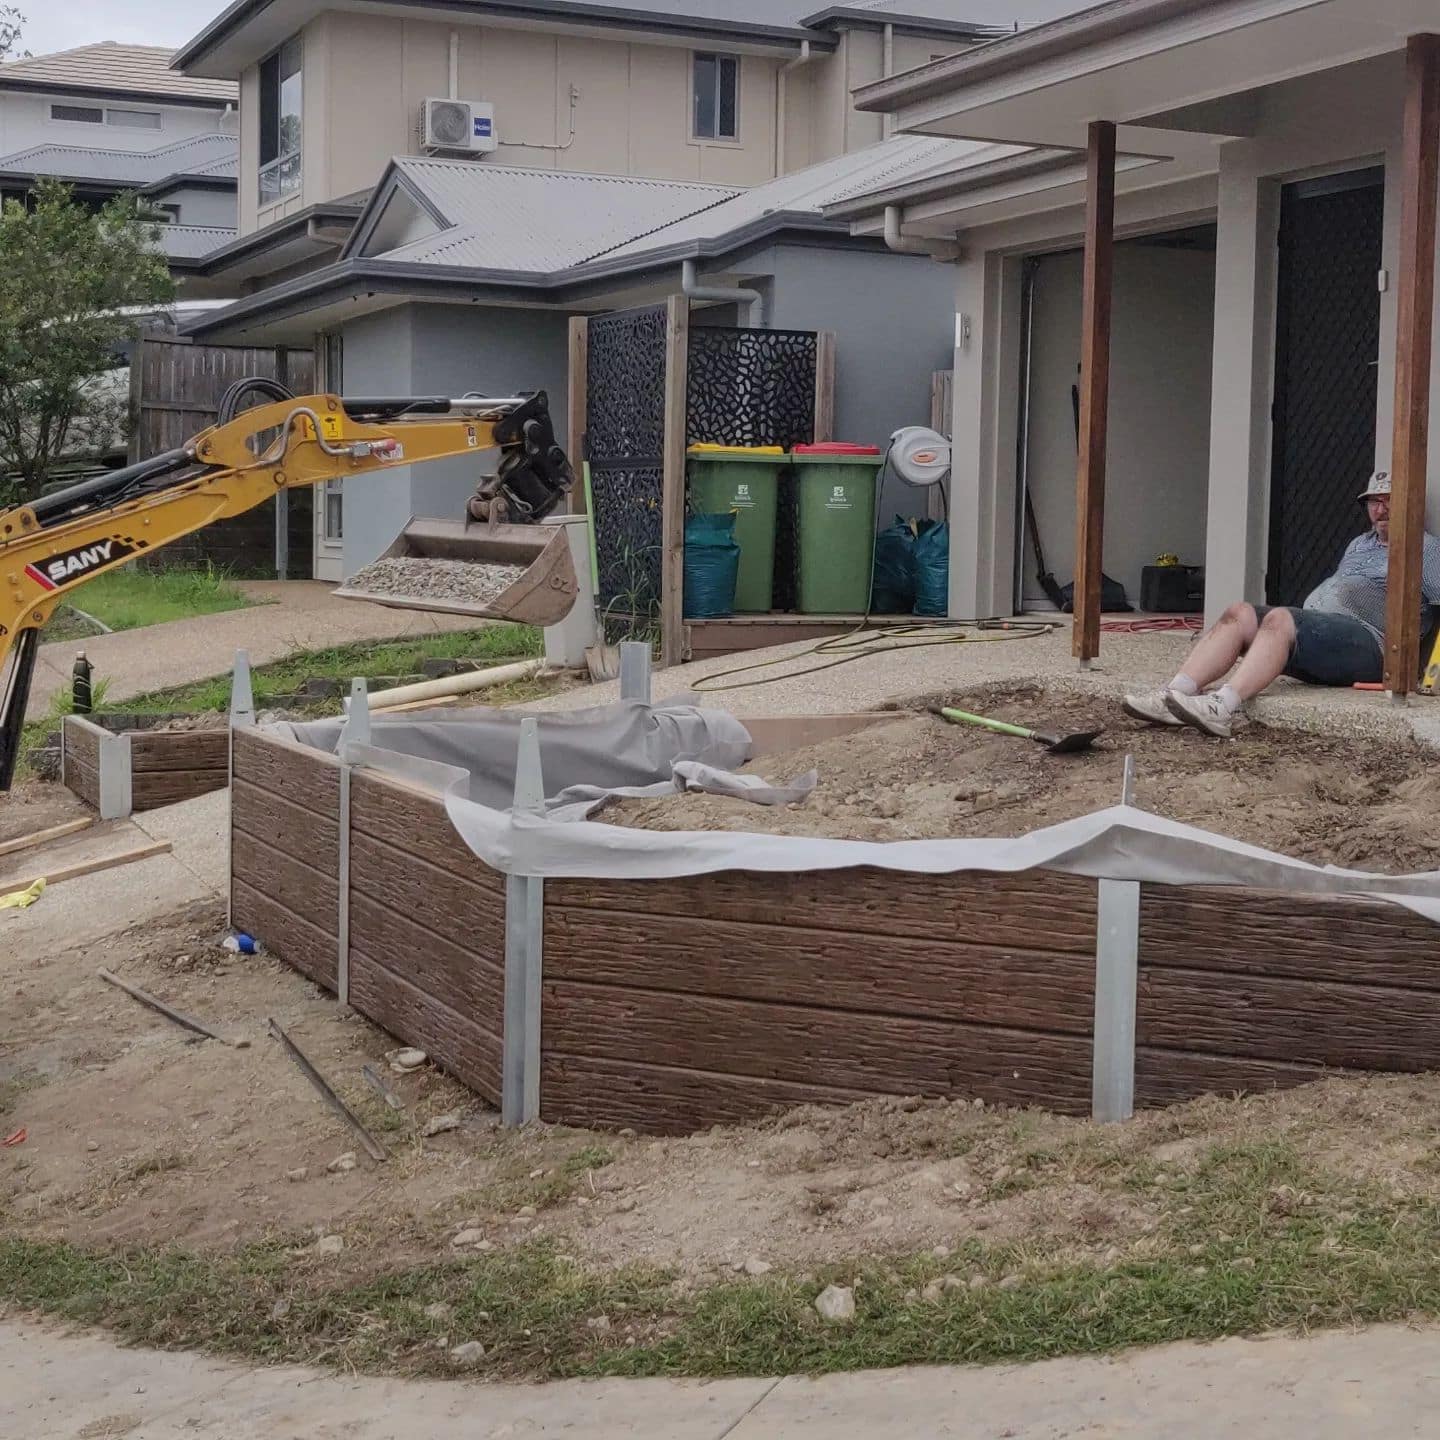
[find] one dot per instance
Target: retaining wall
(673, 1005)
(120, 765)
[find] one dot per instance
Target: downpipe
(948, 251)
(734, 295)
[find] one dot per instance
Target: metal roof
(804, 191)
(199, 155)
(110, 68)
(507, 218)
(190, 242)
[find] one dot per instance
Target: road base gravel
(460, 581)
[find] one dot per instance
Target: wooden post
(1094, 387)
(578, 400)
(1414, 337)
(672, 502)
(824, 386)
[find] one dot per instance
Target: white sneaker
(1151, 707)
(1204, 712)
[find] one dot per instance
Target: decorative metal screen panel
(757, 387)
(1326, 376)
(625, 442)
(751, 387)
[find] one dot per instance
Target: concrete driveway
(1338, 1386)
(297, 615)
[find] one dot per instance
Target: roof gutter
(1029, 47)
(949, 251)
(726, 295)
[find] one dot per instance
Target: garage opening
(1159, 455)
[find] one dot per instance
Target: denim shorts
(1331, 649)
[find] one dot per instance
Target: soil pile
(1328, 799)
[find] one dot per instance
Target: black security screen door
(1327, 343)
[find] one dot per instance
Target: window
(134, 119)
(717, 97)
(98, 115)
(84, 114)
(280, 105)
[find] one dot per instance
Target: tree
(11, 24)
(68, 277)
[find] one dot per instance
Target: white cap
(1379, 485)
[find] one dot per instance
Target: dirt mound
(1329, 799)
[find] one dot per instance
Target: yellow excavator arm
(54, 545)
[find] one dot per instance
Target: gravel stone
(424, 579)
(836, 1304)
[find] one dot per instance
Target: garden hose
(863, 642)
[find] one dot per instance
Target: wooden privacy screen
(673, 1005)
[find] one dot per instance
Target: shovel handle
(1000, 727)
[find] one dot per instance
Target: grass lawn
(1255, 1237)
(128, 599)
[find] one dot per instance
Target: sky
(63, 25)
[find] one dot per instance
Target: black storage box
(1172, 589)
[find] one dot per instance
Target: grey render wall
(442, 350)
(894, 323)
(1159, 457)
(201, 206)
(497, 351)
(377, 351)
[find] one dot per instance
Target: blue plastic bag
(932, 568)
(712, 565)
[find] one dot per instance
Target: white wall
(25, 122)
(1160, 364)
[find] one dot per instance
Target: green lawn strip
(1251, 1241)
(128, 599)
(494, 644)
(491, 645)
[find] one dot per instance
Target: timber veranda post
(1094, 387)
(672, 493)
(1414, 339)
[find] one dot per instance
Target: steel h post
(355, 731)
(524, 937)
(1117, 978)
(242, 716)
(635, 670)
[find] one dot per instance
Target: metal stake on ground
(524, 936)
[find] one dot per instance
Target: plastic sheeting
(608, 746)
(605, 749)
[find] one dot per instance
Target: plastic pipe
(731, 295)
(455, 684)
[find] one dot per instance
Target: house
(1273, 168)
(110, 119)
(610, 156)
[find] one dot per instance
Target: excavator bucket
(522, 573)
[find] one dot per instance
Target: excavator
(55, 544)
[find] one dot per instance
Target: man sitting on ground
(1337, 639)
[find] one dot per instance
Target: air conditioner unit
(458, 126)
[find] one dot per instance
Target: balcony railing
(281, 177)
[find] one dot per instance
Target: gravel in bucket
(415, 577)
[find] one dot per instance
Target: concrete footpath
(296, 615)
(1378, 1383)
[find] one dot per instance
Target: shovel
(1055, 744)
